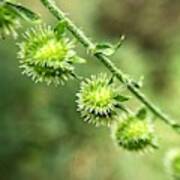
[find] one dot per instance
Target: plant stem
(79, 34)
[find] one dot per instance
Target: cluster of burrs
(100, 102)
(47, 55)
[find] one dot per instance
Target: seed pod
(46, 56)
(98, 100)
(172, 163)
(133, 133)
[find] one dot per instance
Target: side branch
(50, 4)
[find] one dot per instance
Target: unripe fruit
(133, 133)
(46, 56)
(98, 100)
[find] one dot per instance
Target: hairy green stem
(79, 34)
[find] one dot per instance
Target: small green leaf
(105, 48)
(139, 83)
(24, 12)
(78, 60)
(111, 80)
(60, 28)
(142, 113)
(122, 98)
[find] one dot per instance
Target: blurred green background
(42, 137)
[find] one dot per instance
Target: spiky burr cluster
(134, 134)
(98, 100)
(47, 56)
